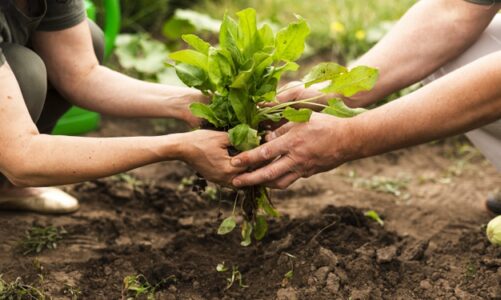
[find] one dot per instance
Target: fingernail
(236, 162)
(237, 182)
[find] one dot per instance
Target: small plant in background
(236, 276)
(394, 186)
(136, 286)
(38, 239)
(18, 290)
(372, 214)
(72, 292)
(244, 71)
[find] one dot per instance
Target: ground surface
(432, 245)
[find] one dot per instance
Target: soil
(432, 245)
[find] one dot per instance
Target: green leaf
(221, 268)
(290, 41)
(174, 28)
(248, 40)
(191, 57)
(265, 205)
(227, 226)
(323, 72)
(358, 80)
(197, 43)
(260, 228)
(297, 115)
(205, 112)
(289, 274)
(242, 105)
(267, 36)
(243, 78)
(220, 68)
(372, 214)
(244, 138)
(246, 234)
(228, 38)
(191, 75)
(338, 109)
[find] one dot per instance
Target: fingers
(282, 130)
(269, 173)
(266, 152)
(284, 181)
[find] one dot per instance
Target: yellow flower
(337, 27)
(360, 35)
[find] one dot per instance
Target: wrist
(174, 147)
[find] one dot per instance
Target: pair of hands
(292, 151)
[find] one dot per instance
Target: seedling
(72, 292)
(135, 286)
(372, 214)
(290, 259)
(19, 290)
(38, 239)
(243, 72)
(393, 186)
(235, 275)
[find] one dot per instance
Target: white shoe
(40, 200)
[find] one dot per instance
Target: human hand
(207, 152)
(297, 150)
(180, 106)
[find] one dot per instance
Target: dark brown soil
(432, 246)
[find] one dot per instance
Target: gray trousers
(488, 138)
(45, 104)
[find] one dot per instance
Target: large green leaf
(264, 203)
(339, 109)
(297, 115)
(244, 138)
(241, 104)
(290, 41)
(205, 112)
(323, 72)
(197, 43)
(228, 35)
(357, 80)
(191, 57)
(191, 75)
(267, 36)
(220, 67)
(249, 40)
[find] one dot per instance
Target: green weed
(38, 239)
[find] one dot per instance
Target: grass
(138, 287)
(38, 239)
(18, 290)
(347, 27)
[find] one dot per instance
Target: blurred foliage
(347, 27)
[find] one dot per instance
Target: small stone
(333, 283)
(491, 262)
(435, 276)
(187, 221)
(386, 255)
(327, 258)
(366, 251)
(416, 252)
(287, 294)
(311, 281)
(425, 285)
(172, 289)
(196, 284)
(361, 294)
(321, 274)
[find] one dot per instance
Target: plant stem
(274, 109)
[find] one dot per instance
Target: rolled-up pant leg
(487, 139)
(45, 104)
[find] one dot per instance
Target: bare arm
(430, 34)
(465, 99)
(28, 158)
(74, 70)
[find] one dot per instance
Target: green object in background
(77, 120)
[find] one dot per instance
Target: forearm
(112, 93)
(430, 34)
(463, 100)
(55, 160)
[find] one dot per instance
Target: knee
(31, 76)
(97, 40)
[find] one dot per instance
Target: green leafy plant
(38, 239)
(372, 214)
(244, 71)
(235, 276)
